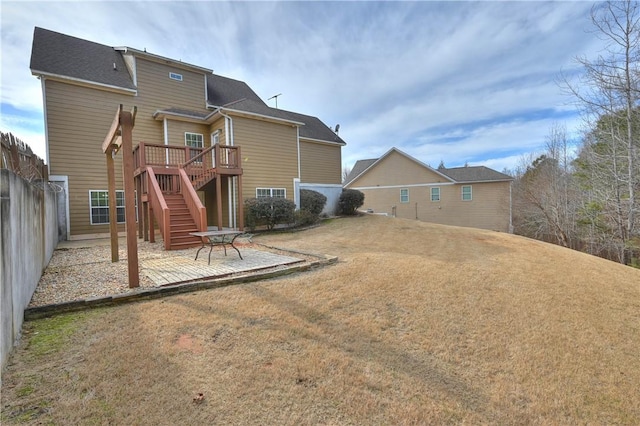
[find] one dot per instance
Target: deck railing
(216, 157)
(159, 207)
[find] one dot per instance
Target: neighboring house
(183, 112)
(399, 185)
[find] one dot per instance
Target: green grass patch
(49, 335)
(25, 391)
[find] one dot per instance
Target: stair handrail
(197, 211)
(194, 172)
(159, 207)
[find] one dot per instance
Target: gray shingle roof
(358, 168)
(63, 55)
(223, 90)
(474, 174)
(313, 128)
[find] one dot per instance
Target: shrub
(305, 217)
(311, 205)
(349, 201)
(268, 211)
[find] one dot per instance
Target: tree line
(585, 196)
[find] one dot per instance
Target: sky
(472, 83)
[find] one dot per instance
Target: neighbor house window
(271, 192)
(404, 195)
(99, 207)
(435, 194)
(175, 76)
(194, 140)
(466, 193)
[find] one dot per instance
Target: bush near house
(311, 205)
(268, 211)
(349, 201)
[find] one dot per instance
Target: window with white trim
(99, 207)
(467, 193)
(435, 194)
(271, 192)
(404, 195)
(175, 76)
(194, 140)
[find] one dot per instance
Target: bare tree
(609, 93)
(345, 172)
(545, 198)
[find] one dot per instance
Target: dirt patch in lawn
(416, 324)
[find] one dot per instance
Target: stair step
(184, 226)
(181, 246)
(179, 233)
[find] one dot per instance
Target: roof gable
(367, 166)
(65, 56)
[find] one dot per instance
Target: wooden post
(152, 224)
(138, 181)
(219, 201)
(145, 219)
(126, 123)
(240, 205)
(113, 212)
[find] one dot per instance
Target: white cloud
(405, 74)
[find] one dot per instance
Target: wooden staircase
(181, 223)
(167, 178)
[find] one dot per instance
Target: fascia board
(82, 82)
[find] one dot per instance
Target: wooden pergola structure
(120, 137)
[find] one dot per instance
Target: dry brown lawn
(416, 324)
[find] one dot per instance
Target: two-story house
(399, 185)
(187, 117)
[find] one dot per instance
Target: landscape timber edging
(174, 289)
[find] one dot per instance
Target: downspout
(165, 125)
(296, 189)
(46, 126)
(228, 126)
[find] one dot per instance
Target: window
(271, 192)
(404, 195)
(466, 193)
(194, 140)
(435, 194)
(175, 76)
(99, 207)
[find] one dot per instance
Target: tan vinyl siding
(489, 208)
(320, 163)
(78, 121)
(269, 155)
(177, 129)
(396, 169)
(157, 91)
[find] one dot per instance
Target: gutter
(82, 82)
